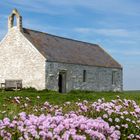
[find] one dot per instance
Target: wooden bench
(12, 85)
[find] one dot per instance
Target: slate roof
(59, 49)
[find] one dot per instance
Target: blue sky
(113, 24)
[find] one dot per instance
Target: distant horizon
(116, 31)
(131, 90)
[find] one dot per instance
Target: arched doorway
(62, 82)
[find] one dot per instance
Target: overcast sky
(113, 24)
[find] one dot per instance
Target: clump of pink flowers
(59, 127)
(81, 120)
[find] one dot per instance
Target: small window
(113, 77)
(84, 75)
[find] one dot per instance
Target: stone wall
(97, 78)
(20, 60)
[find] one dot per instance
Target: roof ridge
(62, 37)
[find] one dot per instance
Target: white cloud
(110, 6)
(125, 42)
(67, 6)
(112, 32)
(38, 6)
(105, 31)
(125, 52)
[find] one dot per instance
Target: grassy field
(59, 98)
(8, 104)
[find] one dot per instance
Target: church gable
(19, 59)
(15, 36)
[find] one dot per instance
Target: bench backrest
(13, 83)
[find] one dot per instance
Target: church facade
(45, 61)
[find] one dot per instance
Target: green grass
(59, 98)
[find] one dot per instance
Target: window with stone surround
(84, 75)
(114, 77)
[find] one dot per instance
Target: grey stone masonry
(97, 78)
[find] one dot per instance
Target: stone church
(45, 61)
